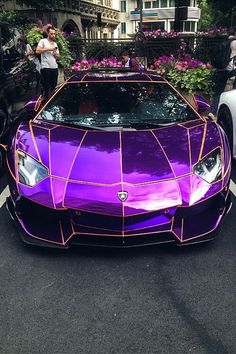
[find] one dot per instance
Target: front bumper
(43, 226)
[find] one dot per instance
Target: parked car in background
(226, 117)
(117, 158)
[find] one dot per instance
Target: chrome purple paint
(202, 103)
(88, 168)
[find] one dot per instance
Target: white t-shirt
(232, 62)
(47, 58)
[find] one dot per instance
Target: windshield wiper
(79, 125)
(149, 125)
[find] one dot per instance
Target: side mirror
(202, 104)
(38, 103)
(33, 105)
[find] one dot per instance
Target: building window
(171, 3)
(155, 4)
(147, 5)
(153, 26)
(163, 3)
(123, 6)
(123, 27)
(189, 26)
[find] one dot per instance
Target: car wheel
(225, 121)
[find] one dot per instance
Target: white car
(226, 117)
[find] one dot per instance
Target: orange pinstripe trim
(122, 184)
(34, 124)
(50, 168)
(182, 125)
(34, 141)
(203, 142)
(139, 228)
(57, 90)
(121, 236)
(175, 178)
(9, 169)
(38, 238)
(77, 151)
(4, 146)
(222, 151)
(61, 230)
(182, 228)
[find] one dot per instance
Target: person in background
(222, 76)
(20, 46)
(32, 57)
(48, 49)
(231, 68)
(129, 62)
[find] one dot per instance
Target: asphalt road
(161, 299)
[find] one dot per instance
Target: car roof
(114, 74)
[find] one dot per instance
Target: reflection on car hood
(108, 157)
(89, 169)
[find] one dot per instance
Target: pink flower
(179, 67)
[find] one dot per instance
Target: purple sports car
(117, 159)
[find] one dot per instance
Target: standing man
(48, 49)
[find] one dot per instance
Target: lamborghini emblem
(123, 196)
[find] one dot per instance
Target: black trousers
(48, 81)
(221, 77)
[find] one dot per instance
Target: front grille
(122, 242)
(116, 224)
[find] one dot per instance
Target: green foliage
(207, 15)
(224, 12)
(13, 18)
(197, 79)
(34, 35)
(65, 54)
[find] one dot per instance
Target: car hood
(84, 162)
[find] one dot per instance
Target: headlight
(30, 171)
(210, 167)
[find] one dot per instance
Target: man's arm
(56, 52)
(40, 49)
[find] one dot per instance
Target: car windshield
(100, 105)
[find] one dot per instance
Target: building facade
(74, 15)
(158, 14)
